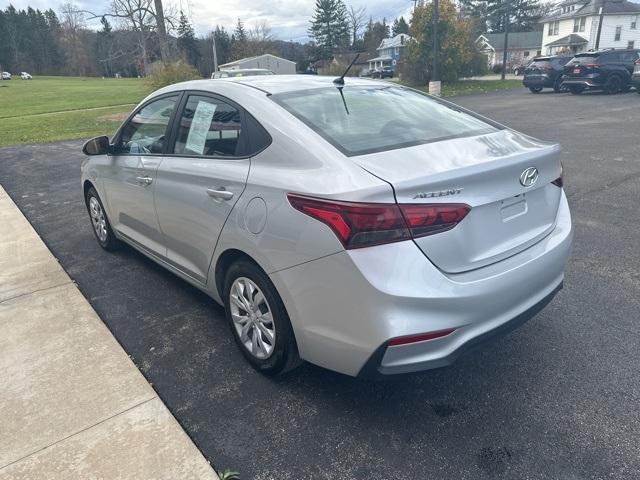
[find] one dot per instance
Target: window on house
(631, 44)
(634, 23)
(618, 33)
(526, 53)
(554, 27)
(579, 24)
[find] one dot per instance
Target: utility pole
(506, 38)
(601, 18)
(434, 81)
(215, 52)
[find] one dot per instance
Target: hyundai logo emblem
(529, 177)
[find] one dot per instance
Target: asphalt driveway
(557, 399)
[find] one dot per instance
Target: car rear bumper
(584, 82)
(346, 307)
(544, 82)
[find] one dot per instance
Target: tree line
(129, 38)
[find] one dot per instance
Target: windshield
(379, 118)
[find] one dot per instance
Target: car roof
(274, 84)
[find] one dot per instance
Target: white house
(276, 64)
(521, 47)
(573, 26)
(390, 51)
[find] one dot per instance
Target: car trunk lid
(483, 172)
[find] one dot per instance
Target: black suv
(384, 72)
(545, 72)
(607, 70)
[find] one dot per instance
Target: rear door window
(209, 127)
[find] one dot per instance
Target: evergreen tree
(374, 33)
(330, 26)
(239, 41)
(399, 26)
(187, 40)
(104, 47)
(490, 15)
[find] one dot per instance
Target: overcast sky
(289, 19)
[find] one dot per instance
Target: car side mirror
(97, 146)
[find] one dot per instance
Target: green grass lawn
(468, 87)
(47, 109)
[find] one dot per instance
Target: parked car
(241, 72)
(384, 72)
(370, 229)
(635, 78)
(545, 72)
(520, 68)
(607, 70)
(5, 76)
(25, 76)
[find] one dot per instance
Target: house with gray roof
(521, 47)
(390, 52)
(572, 27)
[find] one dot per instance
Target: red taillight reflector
(593, 65)
(421, 337)
(360, 225)
(434, 218)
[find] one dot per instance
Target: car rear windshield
(540, 63)
(584, 60)
(374, 119)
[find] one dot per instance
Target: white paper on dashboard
(200, 127)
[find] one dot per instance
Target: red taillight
(421, 337)
(360, 225)
(593, 65)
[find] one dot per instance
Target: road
(556, 399)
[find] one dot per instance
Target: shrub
(162, 74)
(497, 68)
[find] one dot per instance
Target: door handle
(144, 180)
(221, 194)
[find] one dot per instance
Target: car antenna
(340, 79)
(339, 82)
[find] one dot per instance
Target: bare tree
(72, 26)
(357, 19)
(261, 32)
(147, 18)
(162, 31)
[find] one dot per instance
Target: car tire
(250, 298)
(99, 221)
(576, 89)
(613, 85)
(535, 89)
(557, 86)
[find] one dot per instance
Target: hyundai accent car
(361, 226)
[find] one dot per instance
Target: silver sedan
(364, 227)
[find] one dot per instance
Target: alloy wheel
(98, 219)
(252, 318)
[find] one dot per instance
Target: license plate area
(513, 207)
(576, 71)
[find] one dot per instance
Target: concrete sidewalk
(72, 403)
